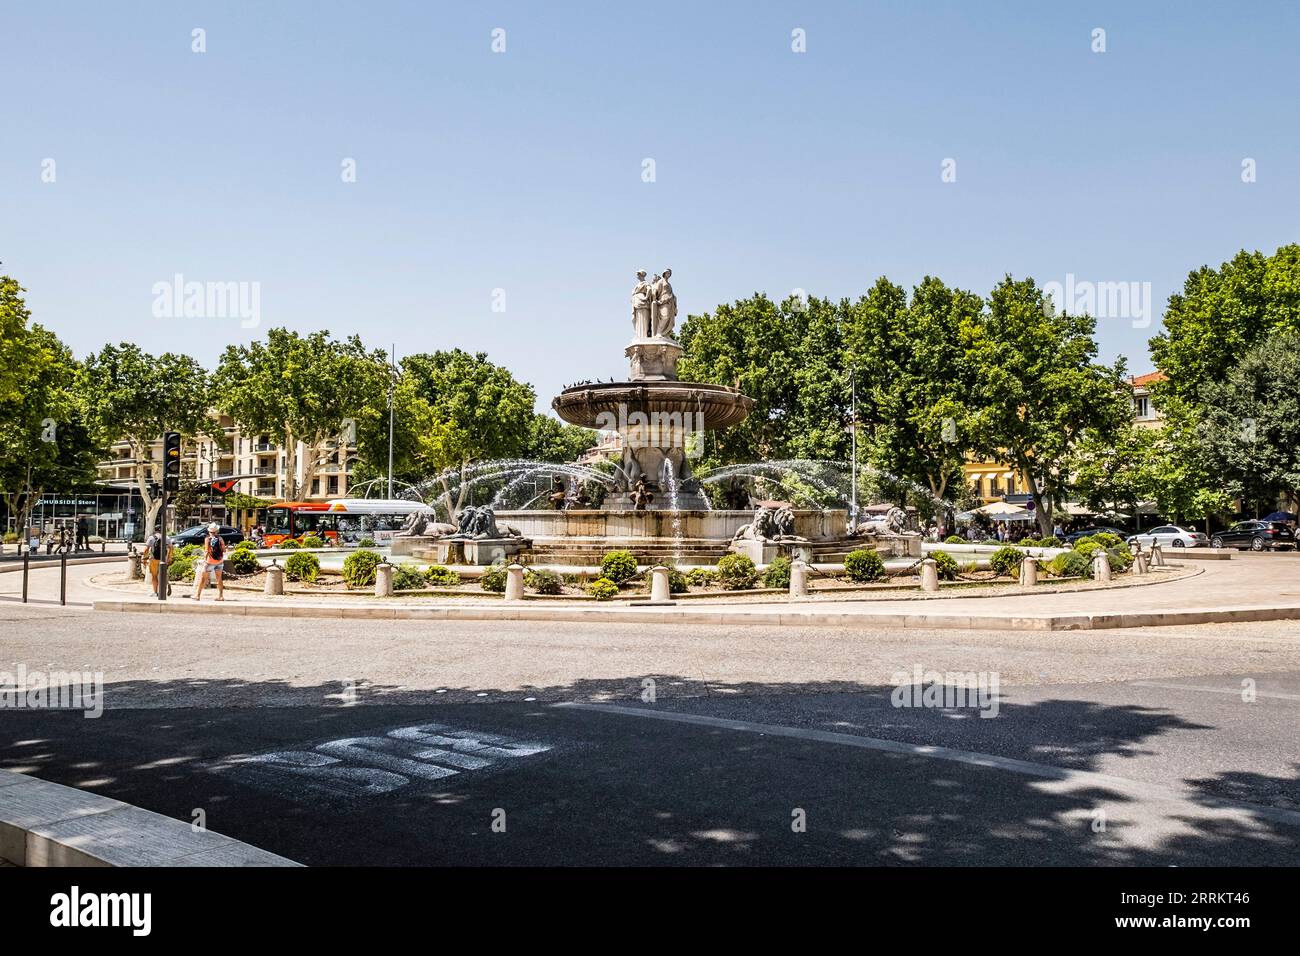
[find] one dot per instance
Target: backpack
(156, 549)
(216, 547)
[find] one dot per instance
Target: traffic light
(172, 461)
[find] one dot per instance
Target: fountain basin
(612, 406)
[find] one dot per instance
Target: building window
(1142, 407)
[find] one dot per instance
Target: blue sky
(523, 170)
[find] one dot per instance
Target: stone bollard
(515, 583)
(1101, 566)
(384, 580)
(1139, 563)
(1157, 556)
(929, 575)
(798, 579)
(660, 592)
(273, 586)
(133, 570)
(1029, 571)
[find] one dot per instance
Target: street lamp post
(853, 449)
(392, 378)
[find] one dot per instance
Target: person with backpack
(154, 549)
(214, 562)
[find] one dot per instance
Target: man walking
(154, 549)
(214, 562)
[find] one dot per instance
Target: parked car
(1170, 536)
(1256, 535)
(1075, 536)
(199, 533)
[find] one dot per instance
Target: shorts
(153, 566)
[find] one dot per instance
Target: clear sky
(522, 170)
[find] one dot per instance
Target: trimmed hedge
(440, 577)
(618, 566)
(407, 577)
(243, 561)
(359, 568)
(865, 564)
(311, 541)
(954, 539)
(701, 577)
(542, 581)
(777, 574)
(302, 567)
(1071, 564)
(602, 589)
(494, 579)
(289, 544)
(945, 564)
(1006, 560)
(736, 572)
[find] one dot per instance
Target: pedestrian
(83, 534)
(154, 549)
(214, 562)
(1058, 531)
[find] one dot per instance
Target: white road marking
(368, 766)
(1063, 779)
(1232, 691)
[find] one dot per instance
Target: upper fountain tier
(655, 415)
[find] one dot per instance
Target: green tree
(1222, 312)
(790, 359)
(304, 389)
(1185, 482)
(129, 395)
(1251, 430)
(1038, 389)
(1117, 472)
(914, 383)
(44, 442)
(552, 440)
(479, 412)
(412, 422)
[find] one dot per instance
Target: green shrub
(359, 568)
(1107, 539)
(311, 541)
(602, 589)
(289, 544)
(11, 537)
(1051, 541)
(440, 577)
(243, 561)
(1088, 547)
(865, 564)
(676, 581)
(954, 539)
(777, 574)
(407, 577)
(1121, 558)
(1006, 560)
(248, 544)
(945, 564)
(701, 577)
(736, 572)
(366, 543)
(1028, 543)
(189, 551)
(542, 581)
(1071, 564)
(494, 579)
(181, 567)
(302, 567)
(618, 566)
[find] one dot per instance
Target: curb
(12, 566)
(48, 824)
(798, 618)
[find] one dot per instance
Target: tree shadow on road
(613, 788)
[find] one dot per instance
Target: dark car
(1095, 529)
(199, 533)
(1256, 535)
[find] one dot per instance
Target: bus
(339, 521)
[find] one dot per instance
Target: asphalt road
(1157, 770)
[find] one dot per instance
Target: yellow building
(991, 481)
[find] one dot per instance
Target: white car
(1170, 536)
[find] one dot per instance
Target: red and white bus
(340, 521)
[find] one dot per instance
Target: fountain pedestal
(476, 551)
(654, 359)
